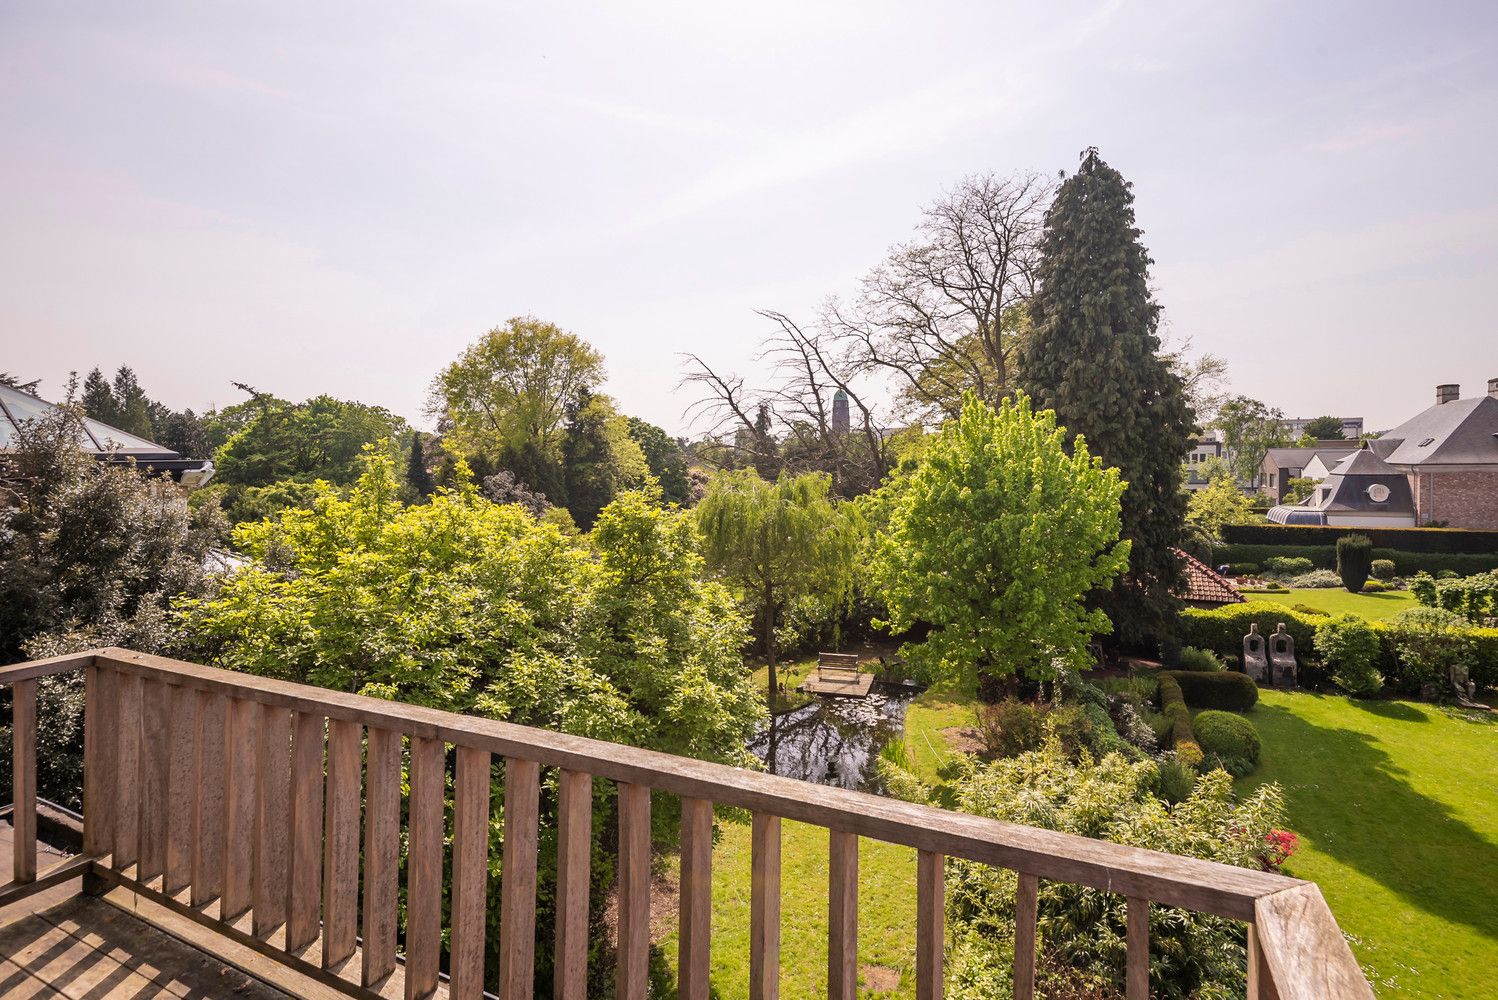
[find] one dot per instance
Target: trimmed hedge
(1451, 541)
(1325, 557)
(1173, 707)
(1223, 689)
(1222, 630)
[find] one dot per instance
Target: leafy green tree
(777, 542)
(1249, 428)
(996, 539)
(1299, 489)
(1218, 503)
(91, 554)
(508, 393)
(319, 439)
(1094, 357)
(182, 432)
(599, 457)
(666, 458)
(1325, 429)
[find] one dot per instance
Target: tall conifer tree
(1094, 358)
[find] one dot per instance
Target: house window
(1271, 479)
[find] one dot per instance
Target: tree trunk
(769, 639)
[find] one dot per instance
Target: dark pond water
(834, 741)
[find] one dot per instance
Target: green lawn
(886, 913)
(938, 708)
(1396, 806)
(1336, 601)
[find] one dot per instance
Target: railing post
(842, 915)
(1260, 982)
(470, 879)
(424, 866)
(23, 778)
(517, 915)
(340, 866)
(764, 908)
(632, 976)
(100, 744)
(382, 833)
(930, 933)
(696, 898)
(1026, 906)
(574, 857)
(1138, 941)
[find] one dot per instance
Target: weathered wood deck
(844, 687)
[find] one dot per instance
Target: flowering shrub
(1279, 845)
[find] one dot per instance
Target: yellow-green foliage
(996, 538)
(1173, 706)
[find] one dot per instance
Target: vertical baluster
(303, 895)
(23, 778)
(696, 898)
(930, 933)
(574, 850)
(1026, 900)
(1260, 980)
(634, 891)
(100, 756)
(842, 924)
(155, 766)
(126, 841)
(764, 908)
(241, 756)
(382, 817)
(210, 809)
(1138, 939)
(424, 866)
(341, 843)
(470, 879)
(272, 819)
(517, 914)
(181, 790)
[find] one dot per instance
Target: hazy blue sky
(324, 197)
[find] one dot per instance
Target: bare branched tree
(939, 315)
(737, 423)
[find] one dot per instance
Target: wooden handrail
(1302, 948)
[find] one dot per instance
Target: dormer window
(1427, 442)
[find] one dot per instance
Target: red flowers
(1278, 846)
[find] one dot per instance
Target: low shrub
(1475, 598)
(1447, 574)
(1350, 646)
(1196, 659)
(1231, 738)
(1325, 557)
(1289, 565)
(1175, 779)
(1010, 727)
(1372, 586)
(1233, 692)
(1316, 579)
(1383, 569)
(1428, 643)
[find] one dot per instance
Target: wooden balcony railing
(239, 802)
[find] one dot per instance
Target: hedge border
(1325, 557)
(1183, 736)
(1447, 541)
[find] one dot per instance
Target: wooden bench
(837, 667)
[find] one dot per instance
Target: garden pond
(833, 740)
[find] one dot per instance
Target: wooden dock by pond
(838, 674)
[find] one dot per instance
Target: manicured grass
(1396, 807)
(886, 913)
(1336, 601)
(939, 707)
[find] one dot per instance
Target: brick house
(1450, 455)
(1280, 465)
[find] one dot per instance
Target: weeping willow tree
(777, 541)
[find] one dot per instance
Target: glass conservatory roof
(18, 407)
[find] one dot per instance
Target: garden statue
(1254, 663)
(1282, 657)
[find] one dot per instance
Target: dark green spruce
(1094, 357)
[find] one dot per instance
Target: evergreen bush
(1233, 692)
(1354, 561)
(1350, 646)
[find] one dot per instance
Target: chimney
(1448, 393)
(1493, 387)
